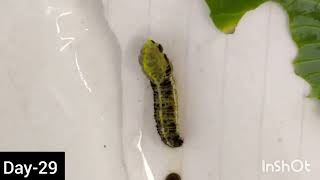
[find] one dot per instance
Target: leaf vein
(303, 61)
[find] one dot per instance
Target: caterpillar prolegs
(157, 67)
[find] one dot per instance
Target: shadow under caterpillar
(157, 67)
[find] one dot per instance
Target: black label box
(32, 165)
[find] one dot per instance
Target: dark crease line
(261, 122)
(120, 87)
(220, 152)
(301, 128)
(300, 148)
(186, 57)
(123, 159)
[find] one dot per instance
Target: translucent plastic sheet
(71, 81)
(60, 87)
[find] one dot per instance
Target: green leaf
(227, 13)
(304, 21)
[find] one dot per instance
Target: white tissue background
(71, 81)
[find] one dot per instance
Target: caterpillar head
(154, 62)
(174, 141)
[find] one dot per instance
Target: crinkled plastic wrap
(71, 81)
(71, 84)
(60, 85)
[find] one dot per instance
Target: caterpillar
(304, 22)
(159, 70)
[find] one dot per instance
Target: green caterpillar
(159, 71)
(304, 20)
